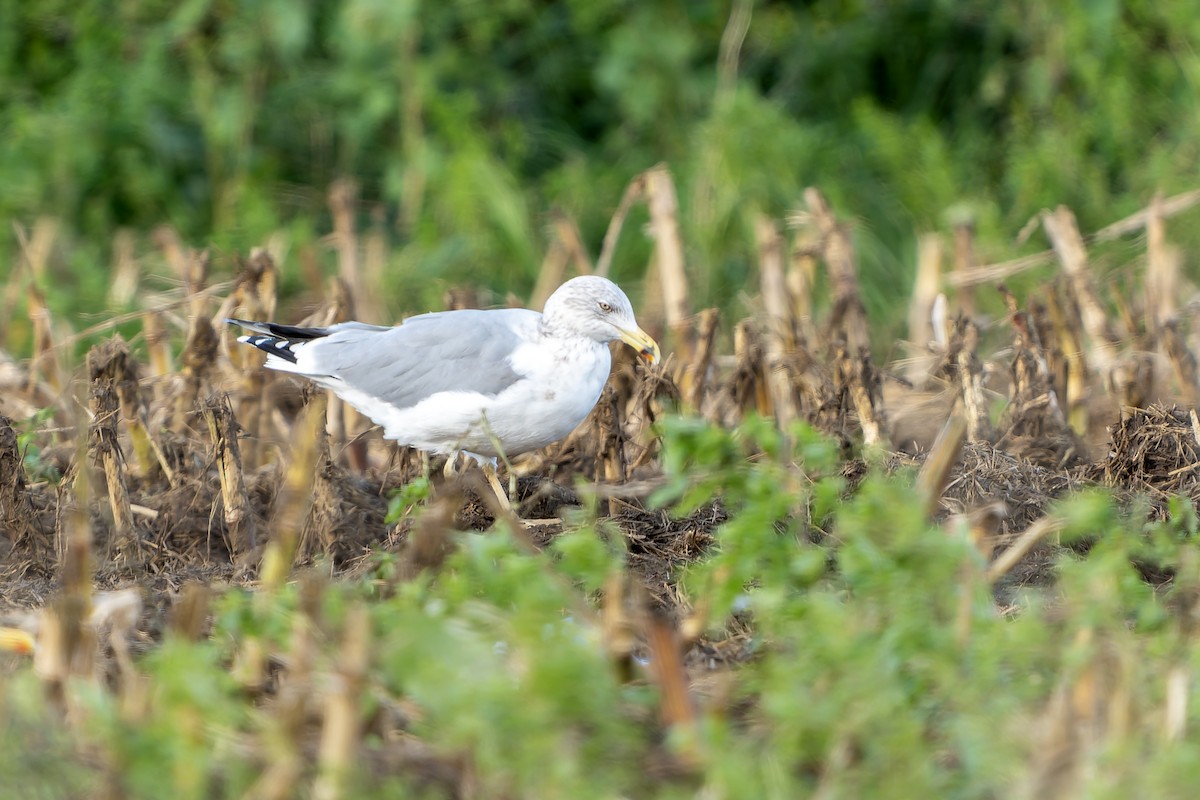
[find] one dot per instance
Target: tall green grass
(467, 127)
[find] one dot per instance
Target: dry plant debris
(143, 491)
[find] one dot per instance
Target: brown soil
(187, 476)
(181, 535)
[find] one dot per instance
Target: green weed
(880, 666)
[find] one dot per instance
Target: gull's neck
(550, 328)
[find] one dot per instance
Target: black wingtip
(272, 345)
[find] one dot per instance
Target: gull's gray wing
(441, 352)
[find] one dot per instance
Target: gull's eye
(605, 307)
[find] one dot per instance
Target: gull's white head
(596, 308)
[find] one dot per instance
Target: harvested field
(168, 472)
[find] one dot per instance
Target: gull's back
(423, 356)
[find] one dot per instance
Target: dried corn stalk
(962, 366)
(617, 625)
(111, 363)
(920, 308)
(1162, 269)
(801, 276)
(223, 430)
(781, 336)
(341, 731)
(566, 247)
(254, 299)
(103, 365)
(343, 206)
(964, 262)
(942, 458)
(635, 191)
(750, 392)
(66, 645)
(35, 255)
(1033, 400)
(857, 378)
(124, 284)
(664, 222)
(158, 347)
(295, 496)
(693, 375)
(199, 359)
(16, 511)
(1068, 245)
(43, 365)
(848, 314)
(1064, 315)
(677, 710)
(1183, 362)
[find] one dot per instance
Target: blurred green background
(468, 123)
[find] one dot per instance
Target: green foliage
(753, 469)
(493, 647)
(405, 499)
(183, 746)
(36, 753)
(587, 558)
(880, 665)
(466, 123)
(36, 466)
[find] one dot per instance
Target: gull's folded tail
(293, 332)
(278, 340)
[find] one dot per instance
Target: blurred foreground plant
(491, 672)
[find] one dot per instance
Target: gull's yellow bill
(639, 340)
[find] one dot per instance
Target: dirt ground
(180, 465)
(180, 530)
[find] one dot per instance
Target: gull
(487, 383)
